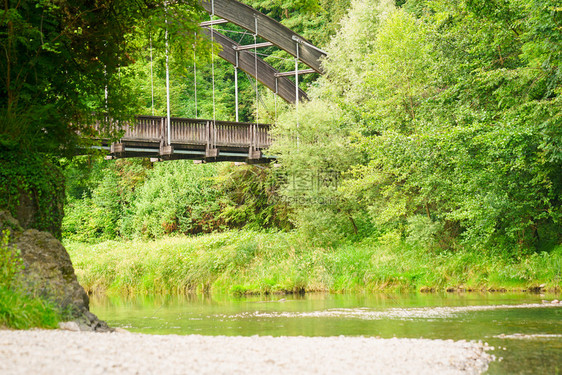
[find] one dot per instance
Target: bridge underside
(152, 150)
(276, 34)
(256, 67)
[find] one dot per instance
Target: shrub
(177, 196)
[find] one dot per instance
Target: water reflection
(529, 333)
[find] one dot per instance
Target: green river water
(527, 339)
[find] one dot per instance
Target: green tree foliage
(99, 195)
(64, 60)
(346, 65)
(176, 197)
(399, 76)
(456, 109)
(250, 198)
(131, 198)
(315, 151)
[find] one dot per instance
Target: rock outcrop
(49, 272)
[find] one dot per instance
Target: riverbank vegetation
(428, 156)
(241, 262)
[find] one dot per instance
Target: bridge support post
(167, 150)
(211, 150)
(117, 149)
(211, 153)
(254, 152)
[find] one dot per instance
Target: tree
(64, 60)
(64, 67)
(455, 108)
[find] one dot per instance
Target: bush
(249, 198)
(423, 232)
(131, 198)
(176, 197)
(10, 262)
(99, 193)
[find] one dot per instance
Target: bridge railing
(197, 132)
(241, 134)
(203, 132)
(186, 131)
(145, 128)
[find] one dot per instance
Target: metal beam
(268, 29)
(291, 74)
(252, 46)
(246, 61)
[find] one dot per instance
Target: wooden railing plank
(153, 129)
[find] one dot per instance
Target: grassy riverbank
(253, 262)
(20, 311)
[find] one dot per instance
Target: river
(526, 336)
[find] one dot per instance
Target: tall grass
(255, 262)
(21, 311)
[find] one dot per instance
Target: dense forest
(444, 121)
(437, 122)
(436, 131)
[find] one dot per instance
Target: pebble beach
(89, 353)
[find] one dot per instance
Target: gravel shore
(85, 353)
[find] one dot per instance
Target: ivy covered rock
(32, 190)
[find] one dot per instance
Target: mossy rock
(48, 272)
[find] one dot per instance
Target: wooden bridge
(191, 139)
(212, 140)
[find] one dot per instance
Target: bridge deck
(191, 139)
